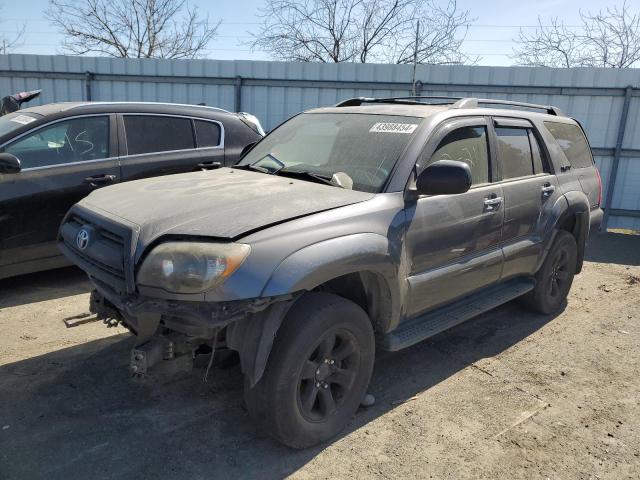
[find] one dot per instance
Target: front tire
(318, 371)
(555, 277)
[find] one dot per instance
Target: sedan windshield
(361, 148)
(15, 120)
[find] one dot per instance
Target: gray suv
(376, 223)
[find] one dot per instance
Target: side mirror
(9, 163)
(444, 177)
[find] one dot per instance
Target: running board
(430, 324)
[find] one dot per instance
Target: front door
(453, 241)
(61, 163)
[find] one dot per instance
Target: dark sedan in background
(53, 155)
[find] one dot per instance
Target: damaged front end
(172, 334)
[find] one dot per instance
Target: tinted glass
(155, 133)
(75, 140)
(207, 134)
(363, 146)
(514, 149)
(469, 145)
(573, 143)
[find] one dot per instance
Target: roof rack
(474, 102)
(455, 102)
(356, 102)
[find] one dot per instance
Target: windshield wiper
(305, 174)
(249, 166)
(258, 168)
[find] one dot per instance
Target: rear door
(529, 189)
(157, 145)
(453, 241)
(62, 162)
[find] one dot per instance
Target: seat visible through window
(469, 145)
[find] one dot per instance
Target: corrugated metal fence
(606, 101)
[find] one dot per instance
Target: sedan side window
(69, 141)
(207, 134)
(469, 145)
(157, 133)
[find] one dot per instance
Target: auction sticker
(393, 127)
(23, 119)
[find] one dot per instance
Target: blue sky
(491, 36)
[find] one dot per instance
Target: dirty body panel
(396, 253)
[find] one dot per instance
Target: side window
(157, 133)
(514, 148)
(207, 134)
(469, 145)
(573, 143)
(69, 141)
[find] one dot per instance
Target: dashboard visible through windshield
(359, 150)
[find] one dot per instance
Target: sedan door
(62, 162)
(453, 241)
(158, 145)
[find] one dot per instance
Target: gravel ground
(510, 394)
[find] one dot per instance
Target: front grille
(107, 252)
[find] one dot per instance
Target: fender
(302, 271)
(572, 204)
(316, 264)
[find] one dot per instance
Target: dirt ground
(510, 394)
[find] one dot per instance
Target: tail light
(599, 186)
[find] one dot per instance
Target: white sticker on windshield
(23, 119)
(393, 127)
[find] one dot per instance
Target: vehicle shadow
(41, 286)
(75, 413)
(618, 248)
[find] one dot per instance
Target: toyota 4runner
(376, 223)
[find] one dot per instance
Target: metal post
(88, 77)
(616, 155)
(418, 87)
(415, 60)
(237, 89)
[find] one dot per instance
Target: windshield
(363, 146)
(15, 120)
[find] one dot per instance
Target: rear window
(156, 133)
(573, 143)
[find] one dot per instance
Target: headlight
(189, 267)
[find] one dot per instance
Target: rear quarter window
(207, 134)
(573, 143)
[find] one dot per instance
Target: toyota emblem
(82, 239)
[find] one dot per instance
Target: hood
(223, 203)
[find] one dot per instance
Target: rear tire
(554, 279)
(318, 371)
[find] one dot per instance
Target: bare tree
(362, 31)
(9, 42)
(132, 28)
(610, 38)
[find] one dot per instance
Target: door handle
(99, 180)
(209, 165)
(492, 204)
(548, 189)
